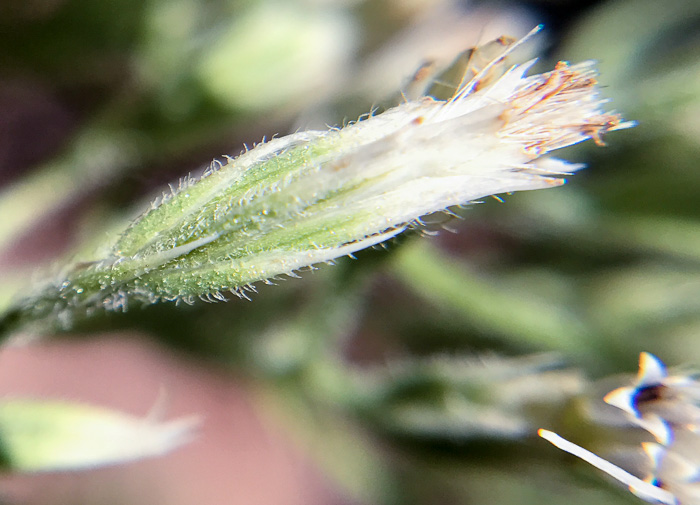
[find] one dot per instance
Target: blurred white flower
(645, 489)
(667, 407)
(673, 472)
(659, 403)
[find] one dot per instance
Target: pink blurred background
(238, 456)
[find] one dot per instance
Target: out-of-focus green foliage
(390, 345)
(40, 436)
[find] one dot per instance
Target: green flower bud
(314, 196)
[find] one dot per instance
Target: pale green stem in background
(504, 310)
(644, 490)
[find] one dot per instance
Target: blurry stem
(313, 386)
(315, 335)
(505, 310)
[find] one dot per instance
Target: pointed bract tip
(622, 398)
(651, 369)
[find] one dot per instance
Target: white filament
(643, 489)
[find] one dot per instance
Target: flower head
(658, 402)
(667, 407)
(314, 196)
(647, 489)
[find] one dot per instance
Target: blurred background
(416, 374)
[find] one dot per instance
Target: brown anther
(557, 82)
(478, 58)
(597, 136)
(554, 182)
(425, 71)
(505, 40)
(597, 128)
